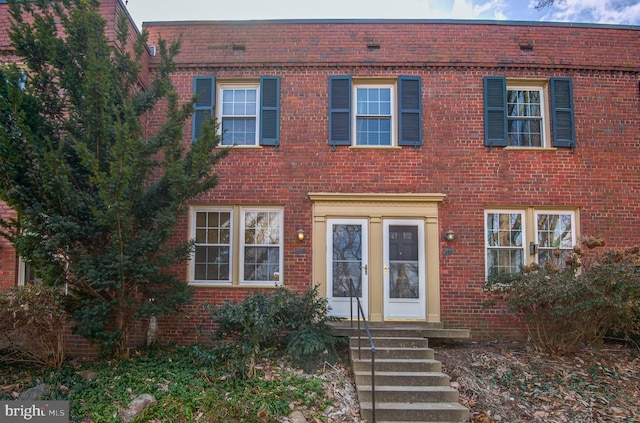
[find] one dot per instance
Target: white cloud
(466, 9)
(599, 11)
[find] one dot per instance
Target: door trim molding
(375, 208)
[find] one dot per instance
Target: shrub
(576, 304)
(31, 320)
(274, 319)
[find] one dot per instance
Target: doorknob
(366, 268)
(385, 269)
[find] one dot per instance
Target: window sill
(511, 147)
(375, 147)
(244, 147)
(229, 285)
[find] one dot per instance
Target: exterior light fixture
(300, 235)
(450, 235)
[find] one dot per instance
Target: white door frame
(404, 308)
(340, 306)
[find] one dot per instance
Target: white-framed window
(511, 242)
(238, 113)
(555, 235)
(27, 274)
(526, 116)
(237, 245)
(212, 257)
(262, 236)
(374, 117)
(529, 113)
(505, 241)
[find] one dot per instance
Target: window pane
(212, 251)
(504, 229)
(555, 238)
(211, 263)
(373, 101)
(262, 247)
(372, 131)
(505, 252)
(505, 261)
(524, 118)
(238, 131)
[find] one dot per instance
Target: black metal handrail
(360, 313)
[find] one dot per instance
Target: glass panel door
(404, 272)
(347, 266)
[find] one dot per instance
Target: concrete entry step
(409, 384)
(403, 329)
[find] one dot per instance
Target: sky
(624, 12)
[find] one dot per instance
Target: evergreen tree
(96, 199)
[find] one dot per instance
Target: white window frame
(237, 246)
(530, 248)
(192, 266)
(221, 87)
(544, 111)
(487, 248)
(554, 212)
(276, 276)
(22, 272)
(393, 116)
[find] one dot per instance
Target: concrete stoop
(409, 383)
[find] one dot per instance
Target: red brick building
(410, 157)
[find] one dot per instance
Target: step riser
(399, 366)
(400, 415)
(405, 380)
(403, 396)
(403, 354)
(390, 342)
(410, 385)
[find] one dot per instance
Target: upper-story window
(238, 113)
(248, 111)
(525, 111)
(512, 243)
(375, 112)
(528, 113)
(374, 116)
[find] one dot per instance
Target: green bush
(263, 320)
(578, 303)
(31, 321)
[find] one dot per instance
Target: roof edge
(393, 21)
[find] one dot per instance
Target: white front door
(404, 269)
(347, 266)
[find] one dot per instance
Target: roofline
(392, 22)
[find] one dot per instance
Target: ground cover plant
(186, 388)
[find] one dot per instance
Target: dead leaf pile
(512, 382)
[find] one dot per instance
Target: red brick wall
(600, 177)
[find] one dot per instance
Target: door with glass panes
(347, 266)
(404, 273)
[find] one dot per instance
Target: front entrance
(404, 270)
(385, 245)
(347, 267)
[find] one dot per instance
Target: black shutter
(270, 110)
(204, 87)
(495, 111)
(339, 110)
(410, 111)
(562, 117)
